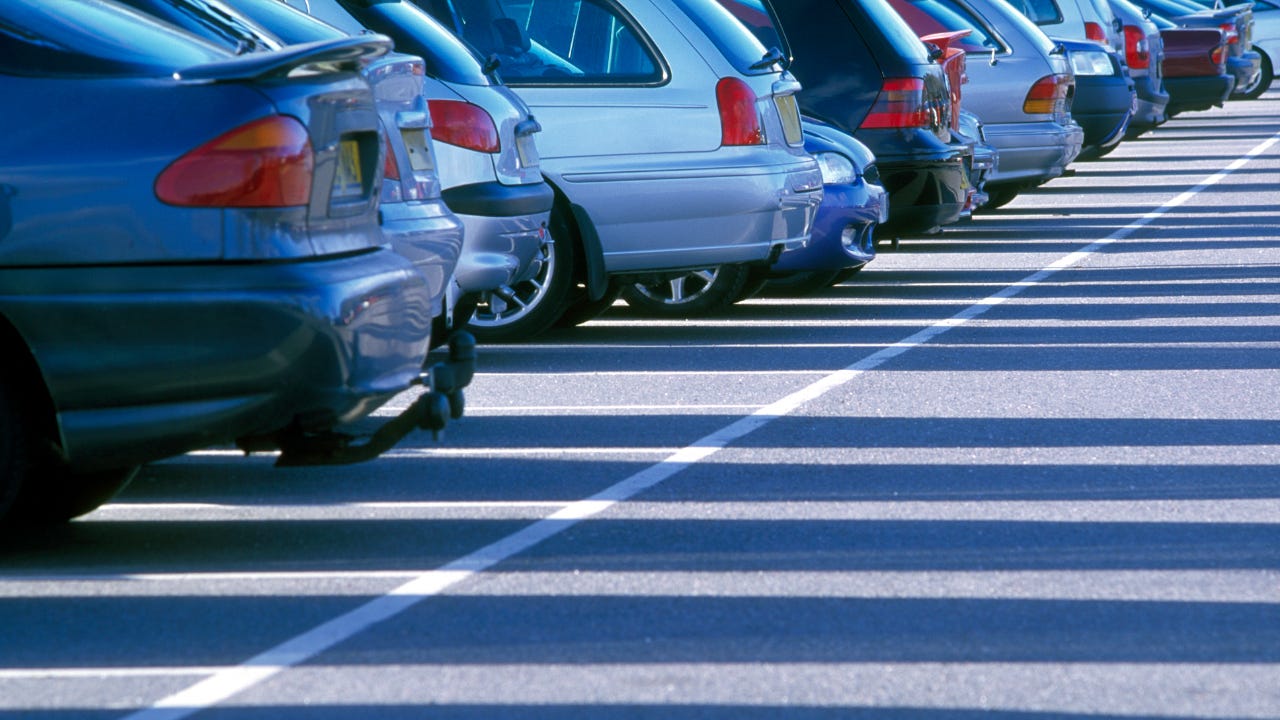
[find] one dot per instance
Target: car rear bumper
(1152, 102)
(693, 215)
(145, 362)
(499, 250)
(1199, 92)
(1034, 152)
(1245, 68)
(429, 236)
(843, 231)
(1102, 108)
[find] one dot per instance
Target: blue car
(1106, 97)
(854, 203)
(190, 256)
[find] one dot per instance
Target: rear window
(417, 33)
(1040, 12)
(291, 26)
(927, 17)
(905, 41)
(38, 38)
(739, 46)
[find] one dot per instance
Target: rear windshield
(905, 41)
(927, 17)
(417, 33)
(38, 38)
(291, 26)
(739, 46)
(1041, 12)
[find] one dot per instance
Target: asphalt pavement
(1025, 468)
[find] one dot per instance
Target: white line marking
(263, 666)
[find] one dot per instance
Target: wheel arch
(590, 271)
(18, 364)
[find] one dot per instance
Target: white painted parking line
(226, 683)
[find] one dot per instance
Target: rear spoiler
(341, 54)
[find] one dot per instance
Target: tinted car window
(760, 21)
(1041, 12)
(555, 42)
(291, 26)
(83, 39)
(905, 41)
(742, 49)
(934, 16)
(210, 20)
(417, 33)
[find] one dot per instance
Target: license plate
(790, 114)
(348, 181)
(526, 151)
(415, 141)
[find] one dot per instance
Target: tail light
(463, 124)
(264, 163)
(1095, 32)
(1137, 49)
(1048, 96)
(391, 188)
(899, 105)
(1229, 29)
(1219, 56)
(739, 119)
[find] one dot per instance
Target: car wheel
(1265, 76)
(527, 308)
(584, 309)
(799, 284)
(697, 293)
(998, 197)
(61, 495)
(15, 449)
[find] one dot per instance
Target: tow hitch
(442, 401)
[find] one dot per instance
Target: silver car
(671, 135)
(1020, 86)
(487, 160)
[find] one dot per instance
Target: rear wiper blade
(772, 56)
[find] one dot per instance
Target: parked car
(1075, 20)
(844, 233)
(1261, 27)
(412, 215)
(672, 138)
(1105, 97)
(488, 163)
(1244, 64)
(985, 156)
(865, 72)
(1195, 67)
(1144, 57)
(1020, 85)
(189, 255)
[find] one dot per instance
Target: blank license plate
(348, 181)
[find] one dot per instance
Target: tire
(998, 197)
(1265, 76)
(694, 294)
(584, 309)
(61, 495)
(16, 461)
(530, 307)
(799, 284)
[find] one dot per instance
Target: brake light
(1048, 95)
(264, 163)
(1230, 30)
(1137, 49)
(390, 168)
(1219, 56)
(1094, 32)
(463, 124)
(900, 104)
(739, 118)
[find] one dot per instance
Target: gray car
(1020, 85)
(671, 135)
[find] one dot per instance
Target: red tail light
(390, 168)
(1219, 56)
(463, 124)
(1137, 49)
(899, 105)
(1094, 32)
(739, 119)
(1230, 30)
(264, 163)
(1048, 95)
